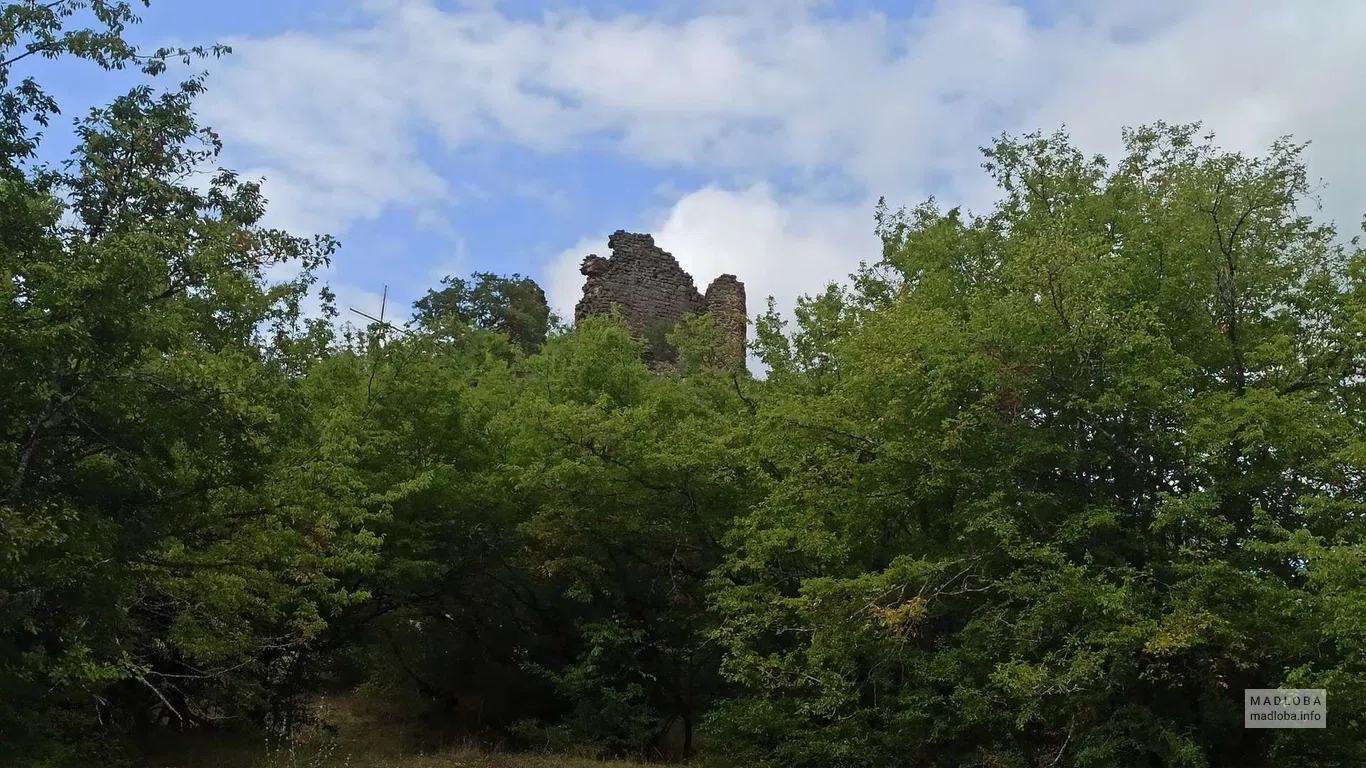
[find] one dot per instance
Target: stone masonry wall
(725, 300)
(655, 294)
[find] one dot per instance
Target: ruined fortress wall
(653, 292)
(645, 281)
(725, 300)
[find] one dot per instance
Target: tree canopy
(1048, 485)
(514, 306)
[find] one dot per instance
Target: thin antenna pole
(383, 306)
(383, 302)
(377, 321)
(383, 326)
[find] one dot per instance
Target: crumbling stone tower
(654, 293)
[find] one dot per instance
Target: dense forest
(1045, 486)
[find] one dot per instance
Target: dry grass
(357, 736)
(340, 757)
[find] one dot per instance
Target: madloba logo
(1294, 700)
(1285, 708)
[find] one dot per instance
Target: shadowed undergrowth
(351, 734)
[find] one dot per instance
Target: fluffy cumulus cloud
(780, 249)
(800, 117)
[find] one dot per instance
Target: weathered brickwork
(654, 293)
(725, 300)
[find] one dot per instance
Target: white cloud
(561, 280)
(783, 248)
(890, 107)
(330, 136)
(1251, 70)
(777, 248)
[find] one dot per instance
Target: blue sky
(751, 137)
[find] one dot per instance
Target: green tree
(168, 536)
(632, 480)
(548, 524)
(1055, 484)
(514, 306)
(451, 618)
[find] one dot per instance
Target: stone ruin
(654, 294)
